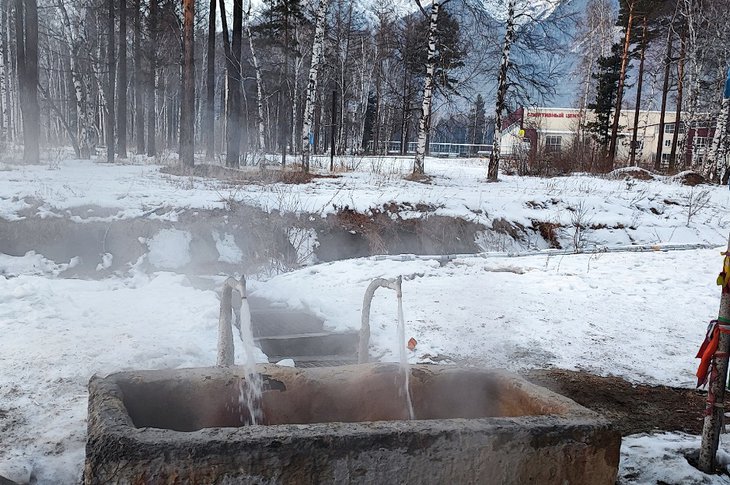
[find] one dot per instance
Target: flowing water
(250, 392)
(405, 368)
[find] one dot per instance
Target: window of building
(667, 143)
(700, 142)
(552, 143)
(669, 127)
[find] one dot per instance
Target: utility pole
(715, 410)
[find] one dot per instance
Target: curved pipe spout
(393, 284)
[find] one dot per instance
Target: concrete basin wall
(343, 425)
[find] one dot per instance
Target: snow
(228, 251)
(617, 211)
(170, 249)
(638, 315)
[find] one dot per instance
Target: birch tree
(87, 132)
(261, 129)
(317, 54)
(509, 38)
(424, 121)
(532, 42)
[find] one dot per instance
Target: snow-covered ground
(612, 211)
(640, 316)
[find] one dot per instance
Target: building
(536, 132)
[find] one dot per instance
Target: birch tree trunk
(84, 113)
(423, 123)
(509, 38)
(4, 85)
(259, 87)
(187, 105)
(259, 91)
(317, 51)
(5, 119)
(711, 169)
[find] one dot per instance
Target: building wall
(554, 129)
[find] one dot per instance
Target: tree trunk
(8, 83)
(317, 54)
(423, 122)
(259, 92)
(620, 91)
(187, 104)
(122, 86)
(26, 26)
(404, 117)
(635, 133)
(152, 81)
(233, 76)
(138, 79)
(283, 132)
(680, 92)
(718, 152)
(509, 38)
(111, 78)
(209, 117)
(665, 91)
(87, 132)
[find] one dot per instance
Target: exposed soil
(247, 175)
(633, 408)
(690, 179)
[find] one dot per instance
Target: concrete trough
(343, 425)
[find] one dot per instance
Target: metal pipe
(393, 284)
(225, 320)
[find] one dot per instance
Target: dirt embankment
(633, 408)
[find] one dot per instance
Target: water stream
(405, 368)
(250, 392)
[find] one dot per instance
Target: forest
(231, 81)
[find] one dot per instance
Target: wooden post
(715, 410)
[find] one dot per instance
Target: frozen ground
(640, 316)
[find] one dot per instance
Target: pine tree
(607, 77)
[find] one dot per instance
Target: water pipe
(225, 323)
(393, 284)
